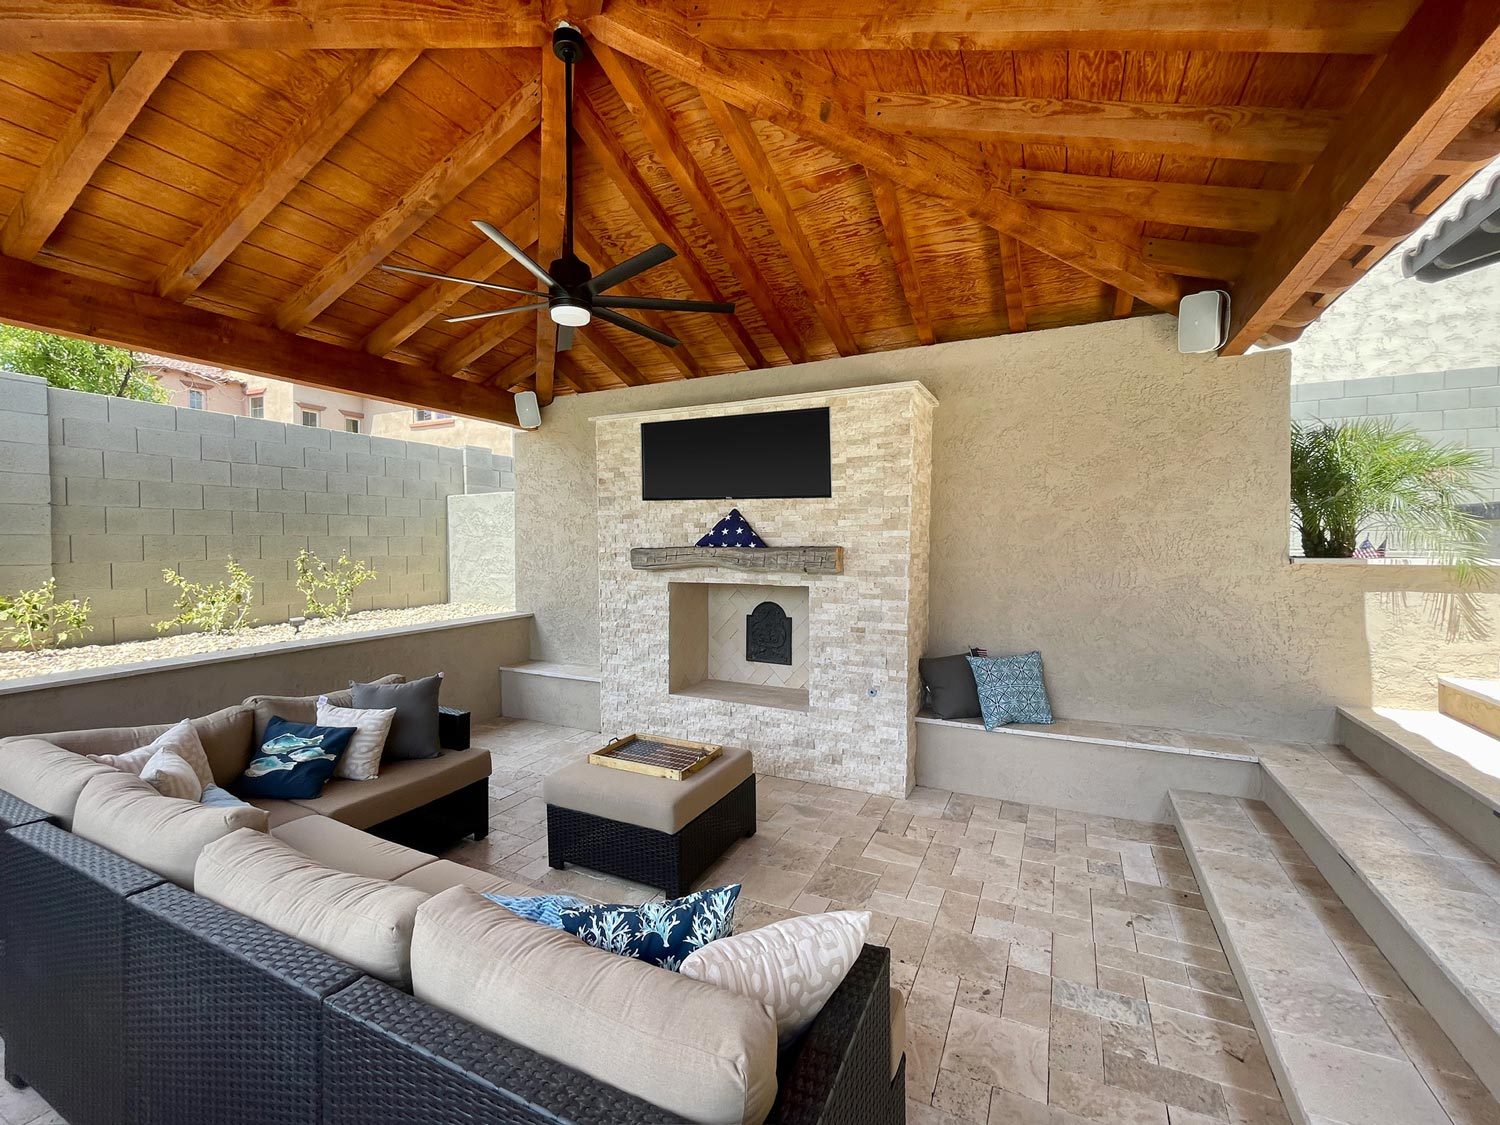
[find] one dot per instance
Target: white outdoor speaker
(528, 413)
(1203, 321)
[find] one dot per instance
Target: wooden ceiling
(221, 182)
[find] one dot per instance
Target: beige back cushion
(693, 1048)
(366, 922)
(165, 834)
(302, 708)
(46, 775)
(225, 736)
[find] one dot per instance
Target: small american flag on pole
(1367, 551)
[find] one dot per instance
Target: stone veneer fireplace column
(866, 627)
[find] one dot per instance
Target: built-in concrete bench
(545, 691)
(1109, 768)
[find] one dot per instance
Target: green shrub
(220, 608)
(38, 620)
(339, 581)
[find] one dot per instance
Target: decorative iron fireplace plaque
(768, 635)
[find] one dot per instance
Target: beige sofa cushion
(348, 849)
(366, 922)
(440, 874)
(689, 1047)
(46, 775)
(278, 811)
(302, 708)
(637, 798)
(225, 736)
(898, 1029)
(402, 786)
(164, 834)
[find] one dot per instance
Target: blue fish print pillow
(295, 760)
(659, 933)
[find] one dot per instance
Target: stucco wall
(1096, 495)
(482, 549)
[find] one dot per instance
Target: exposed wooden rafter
(111, 104)
(73, 306)
(594, 341)
(485, 338)
(680, 356)
(1197, 259)
(436, 188)
(346, 99)
(1156, 201)
(1442, 70)
(889, 207)
(1015, 283)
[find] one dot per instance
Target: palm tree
(1369, 476)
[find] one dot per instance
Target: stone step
(1348, 1041)
(545, 691)
(1476, 702)
(1430, 900)
(1447, 766)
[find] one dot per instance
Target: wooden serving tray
(656, 755)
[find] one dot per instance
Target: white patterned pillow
(791, 967)
(361, 762)
(181, 739)
(170, 775)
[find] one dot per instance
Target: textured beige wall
(1095, 495)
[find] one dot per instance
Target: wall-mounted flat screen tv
(784, 454)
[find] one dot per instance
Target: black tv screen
(739, 457)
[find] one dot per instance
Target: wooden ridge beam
(434, 190)
(481, 264)
(1157, 201)
(107, 111)
(1077, 25)
(801, 95)
(211, 25)
(553, 195)
(1439, 74)
(346, 99)
(681, 357)
(765, 185)
(52, 301)
(889, 208)
(1197, 259)
(1014, 281)
(1233, 132)
(683, 169)
(608, 150)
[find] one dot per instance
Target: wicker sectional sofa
(126, 997)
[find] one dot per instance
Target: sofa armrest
(390, 1057)
(840, 1070)
(15, 812)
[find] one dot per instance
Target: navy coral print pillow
(295, 760)
(659, 933)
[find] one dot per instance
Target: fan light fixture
(573, 316)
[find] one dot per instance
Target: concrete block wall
(104, 493)
(1458, 407)
(486, 471)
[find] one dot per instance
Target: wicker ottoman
(648, 829)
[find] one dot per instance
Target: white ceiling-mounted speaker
(1203, 321)
(528, 413)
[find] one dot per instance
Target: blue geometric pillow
(295, 760)
(659, 933)
(1011, 689)
(546, 909)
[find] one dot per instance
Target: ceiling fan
(573, 296)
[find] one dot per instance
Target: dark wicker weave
(223, 1015)
(390, 1059)
(64, 1034)
(14, 812)
(644, 855)
(435, 826)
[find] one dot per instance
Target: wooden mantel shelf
(799, 560)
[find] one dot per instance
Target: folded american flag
(732, 531)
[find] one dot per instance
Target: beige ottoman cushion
(46, 775)
(700, 1051)
(165, 834)
(366, 922)
(348, 849)
(651, 802)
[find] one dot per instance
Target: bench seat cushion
(348, 849)
(651, 802)
(46, 775)
(280, 811)
(440, 874)
(366, 922)
(692, 1048)
(401, 787)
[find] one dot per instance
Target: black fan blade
(495, 235)
(564, 337)
(627, 269)
(464, 281)
(663, 304)
(635, 326)
(497, 312)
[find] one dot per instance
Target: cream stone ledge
(1300, 560)
(1105, 734)
(758, 405)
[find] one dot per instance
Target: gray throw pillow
(414, 731)
(951, 691)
